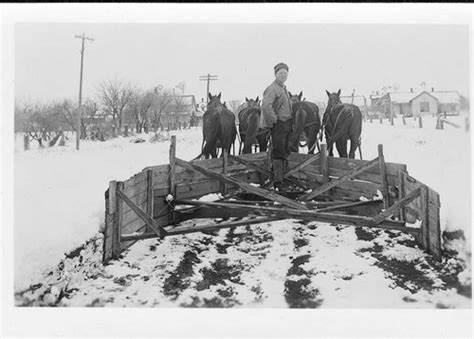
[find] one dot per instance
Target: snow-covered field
(59, 207)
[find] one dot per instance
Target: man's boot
(278, 172)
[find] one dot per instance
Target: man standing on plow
(276, 116)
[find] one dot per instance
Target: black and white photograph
(161, 159)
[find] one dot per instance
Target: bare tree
(162, 100)
(40, 121)
(115, 96)
(141, 107)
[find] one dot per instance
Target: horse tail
(253, 119)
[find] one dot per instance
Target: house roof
(402, 97)
(447, 97)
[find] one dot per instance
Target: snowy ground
(285, 264)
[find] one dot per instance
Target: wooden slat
(139, 188)
(310, 215)
(302, 165)
(135, 180)
(392, 209)
(334, 183)
(145, 217)
(348, 164)
(140, 200)
(401, 193)
(324, 163)
(383, 177)
(242, 185)
(172, 179)
(116, 249)
(149, 195)
(425, 226)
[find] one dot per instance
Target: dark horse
(306, 123)
(218, 128)
(342, 122)
(249, 120)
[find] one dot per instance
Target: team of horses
(341, 122)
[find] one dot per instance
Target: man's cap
(280, 66)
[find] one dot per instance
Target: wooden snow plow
(155, 201)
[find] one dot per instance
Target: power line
(208, 78)
(78, 133)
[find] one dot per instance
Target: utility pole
(78, 132)
(208, 78)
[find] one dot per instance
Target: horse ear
(339, 92)
(210, 96)
(219, 96)
(289, 93)
(246, 99)
(256, 100)
(300, 95)
(329, 94)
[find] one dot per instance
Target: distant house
(416, 104)
(449, 102)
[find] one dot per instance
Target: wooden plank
(302, 165)
(401, 193)
(140, 200)
(383, 177)
(392, 209)
(348, 164)
(324, 163)
(149, 195)
(137, 179)
(425, 226)
(145, 217)
(336, 182)
(345, 206)
(127, 243)
(242, 185)
(311, 215)
(130, 216)
(112, 196)
(139, 188)
(116, 249)
(225, 163)
(172, 179)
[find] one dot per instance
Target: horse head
(296, 98)
(214, 101)
(252, 102)
(333, 100)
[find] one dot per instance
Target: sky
(360, 57)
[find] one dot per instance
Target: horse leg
(354, 145)
(341, 146)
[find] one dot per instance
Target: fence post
(115, 209)
(383, 177)
(420, 121)
(26, 142)
(125, 133)
(370, 119)
(403, 119)
(391, 121)
(425, 227)
(380, 119)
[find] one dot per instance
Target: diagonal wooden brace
(243, 185)
(333, 183)
(396, 206)
(145, 217)
(302, 165)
